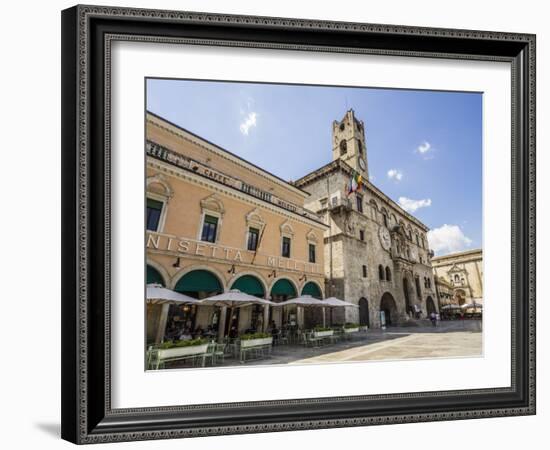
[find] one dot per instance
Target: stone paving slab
(413, 346)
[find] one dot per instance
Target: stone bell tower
(348, 143)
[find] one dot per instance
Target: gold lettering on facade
(153, 241)
(183, 246)
(214, 250)
(199, 249)
(169, 244)
(238, 256)
(227, 251)
(271, 261)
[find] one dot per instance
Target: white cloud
(410, 205)
(248, 123)
(395, 174)
(448, 239)
(423, 148)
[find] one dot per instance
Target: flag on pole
(355, 183)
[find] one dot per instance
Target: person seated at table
(210, 331)
(198, 332)
(273, 328)
(185, 335)
(172, 332)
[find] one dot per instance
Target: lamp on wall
(177, 263)
(272, 274)
(303, 278)
(232, 270)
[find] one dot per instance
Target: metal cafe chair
(219, 353)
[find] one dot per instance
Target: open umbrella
(472, 305)
(333, 302)
(156, 294)
(305, 301)
(451, 307)
(234, 299)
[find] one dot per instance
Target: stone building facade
(463, 272)
(217, 222)
(376, 253)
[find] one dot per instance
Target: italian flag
(355, 183)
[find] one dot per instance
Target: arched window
(343, 147)
(388, 273)
(385, 217)
(381, 272)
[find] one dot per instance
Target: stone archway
(430, 306)
(283, 289)
(364, 316)
(250, 317)
(388, 305)
(154, 276)
(198, 283)
(313, 316)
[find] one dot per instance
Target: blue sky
(424, 148)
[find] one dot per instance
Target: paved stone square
(461, 338)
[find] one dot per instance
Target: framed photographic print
(283, 224)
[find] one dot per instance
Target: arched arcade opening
(389, 307)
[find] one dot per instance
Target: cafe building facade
(216, 222)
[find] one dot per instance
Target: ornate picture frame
(87, 35)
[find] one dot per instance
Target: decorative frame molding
(87, 34)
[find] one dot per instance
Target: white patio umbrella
(474, 305)
(305, 301)
(333, 302)
(234, 299)
(450, 307)
(156, 294)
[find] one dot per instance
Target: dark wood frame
(87, 416)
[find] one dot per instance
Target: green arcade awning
(153, 276)
(199, 281)
(283, 287)
(250, 285)
(312, 289)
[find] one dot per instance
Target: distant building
(463, 273)
(444, 291)
(376, 253)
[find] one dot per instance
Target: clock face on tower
(385, 238)
(362, 164)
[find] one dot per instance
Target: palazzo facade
(376, 253)
(217, 222)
